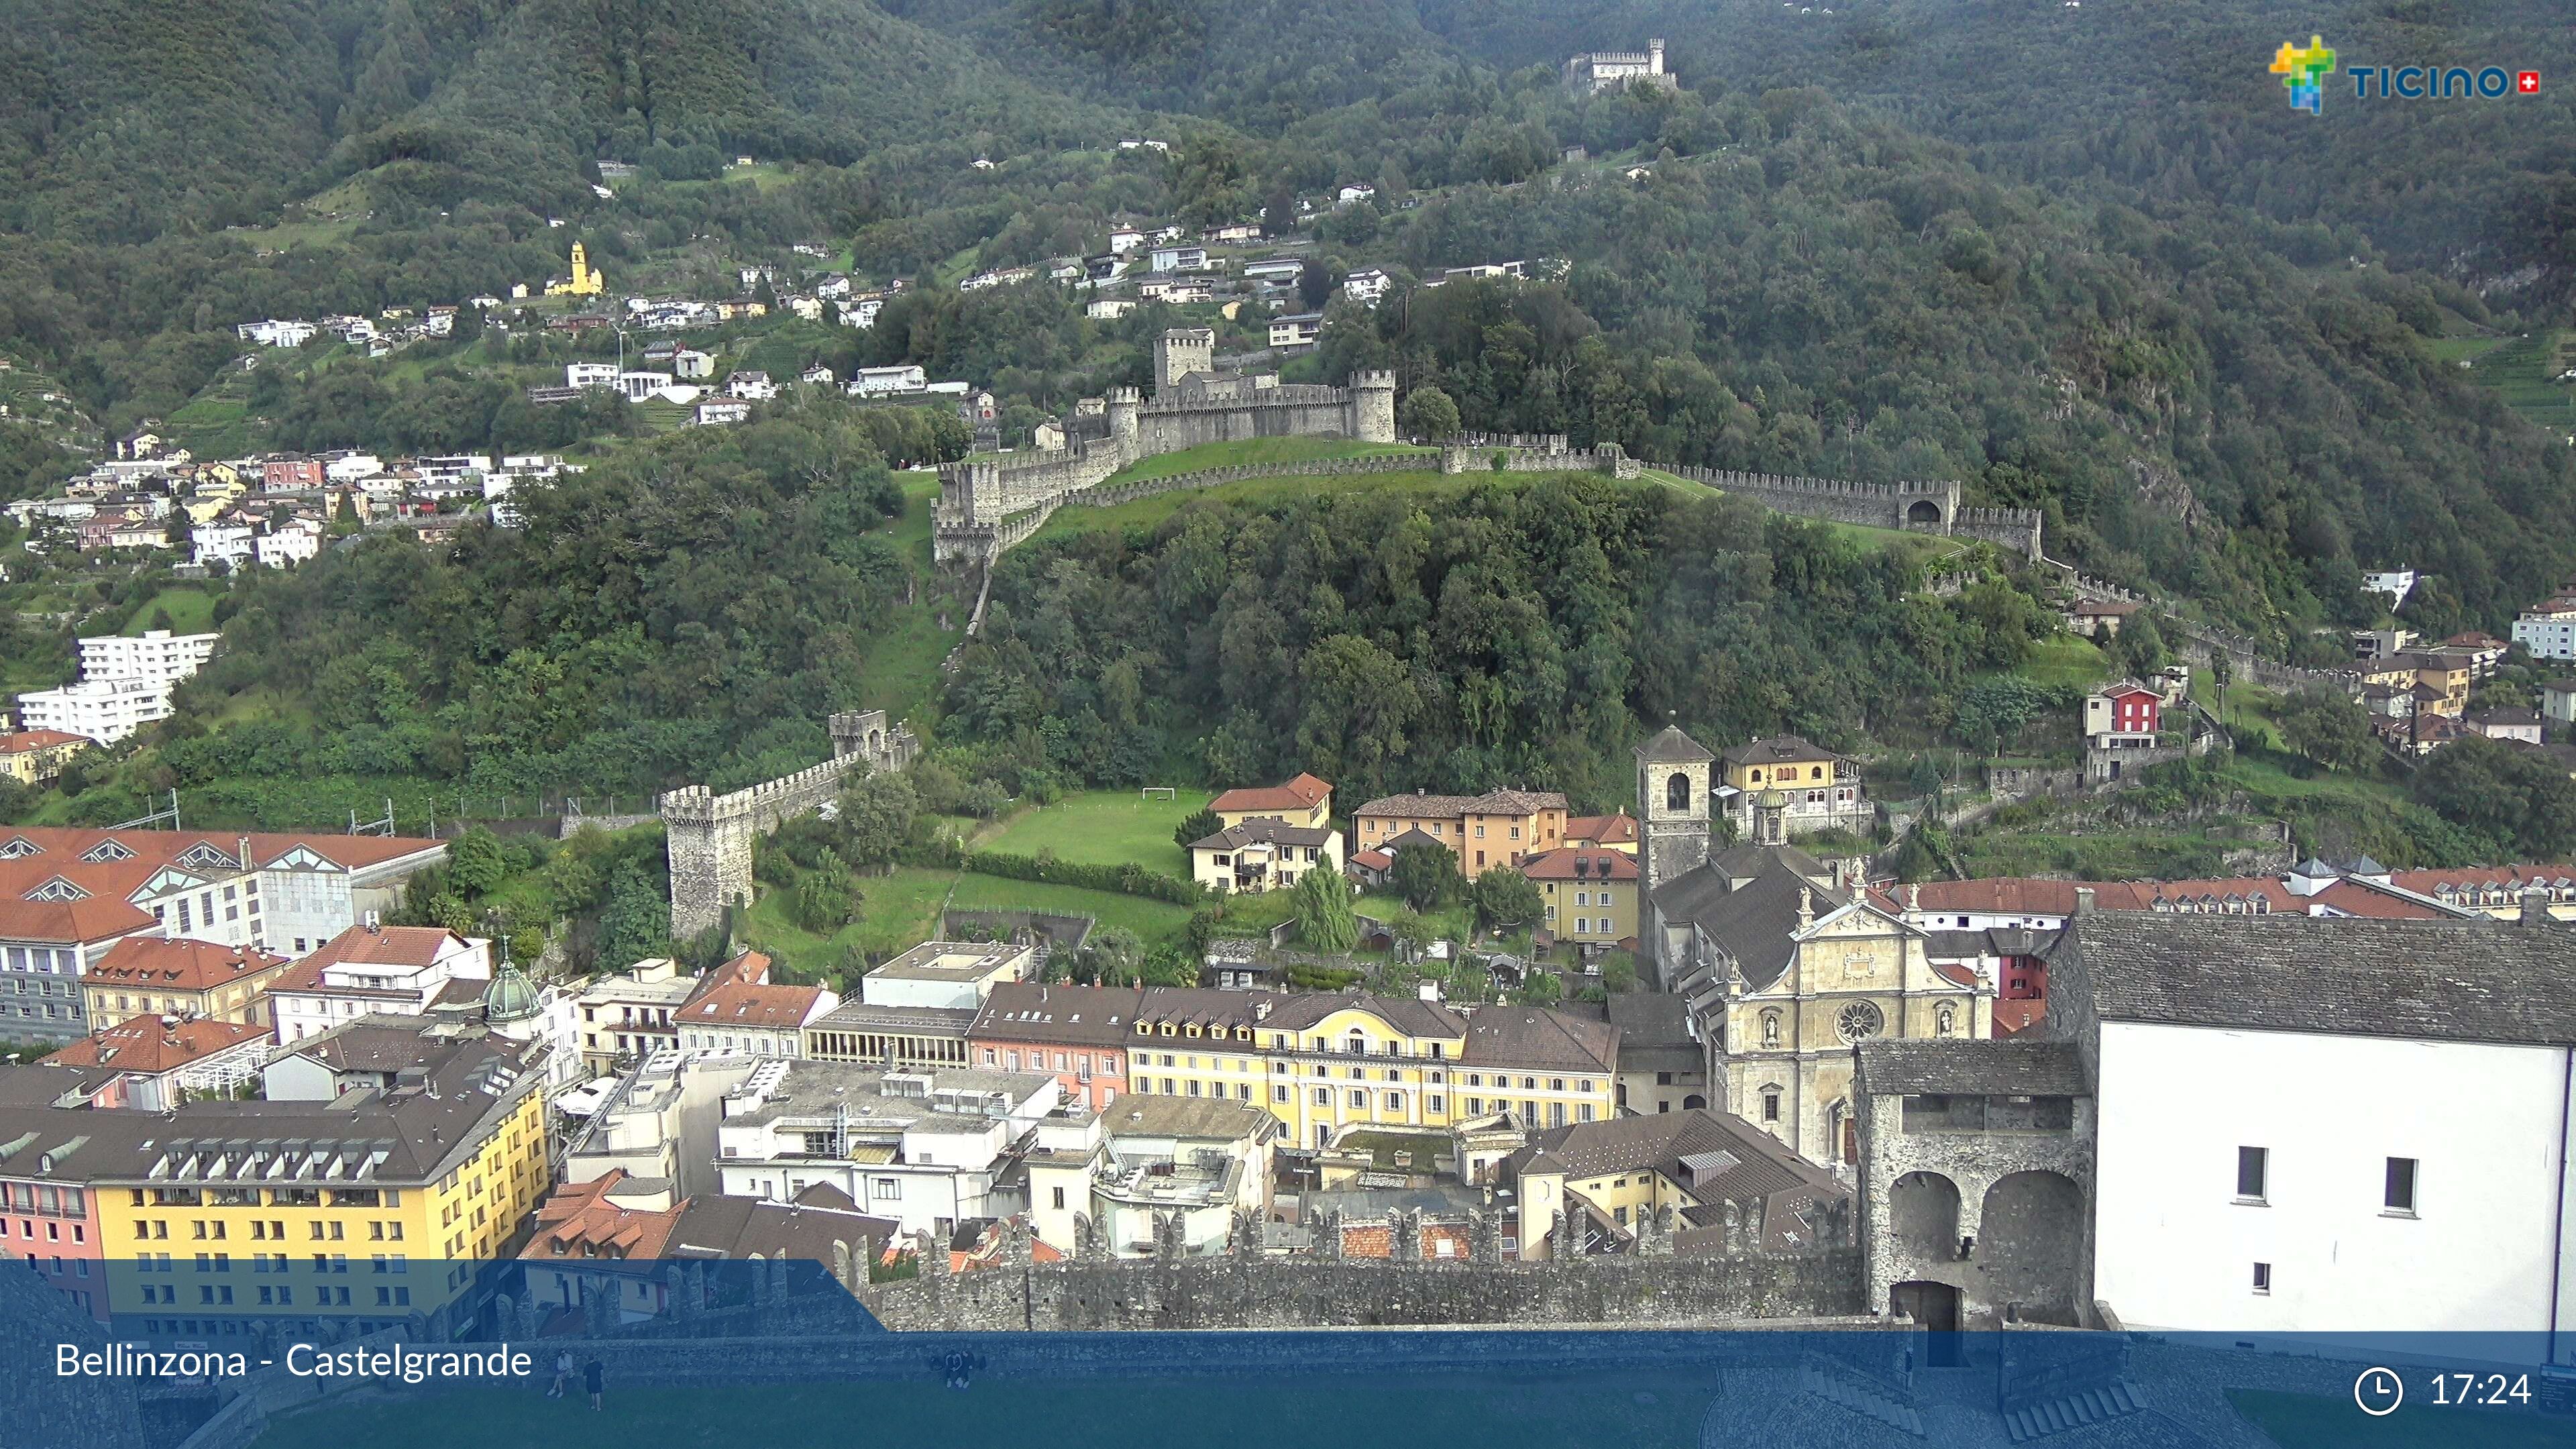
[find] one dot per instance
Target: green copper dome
(511, 996)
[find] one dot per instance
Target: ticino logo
(2303, 69)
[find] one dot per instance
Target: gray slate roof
(1965, 1068)
(1751, 922)
(1672, 747)
(2485, 981)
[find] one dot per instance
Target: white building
(1366, 286)
(1298, 330)
(155, 654)
(1604, 70)
(950, 974)
(751, 386)
(232, 544)
(590, 374)
(1178, 259)
(2327, 1125)
(690, 363)
(720, 413)
(1124, 240)
(1108, 309)
(2395, 583)
(372, 969)
(878, 381)
(637, 386)
(924, 1148)
(350, 467)
(275, 333)
(2548, 630)
(105, 710)
(293, 543)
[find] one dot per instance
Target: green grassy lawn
(192, 611)
(1257, 450)
(897, 912)
(1104, 827)
(2308, 1421)
(217, 422)
(1153, 921)
(1604, 1406)
(2065, 659)
(2523, 369)
(1259, 493)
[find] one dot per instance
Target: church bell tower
(1672, 805)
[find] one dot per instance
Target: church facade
(1782, 961)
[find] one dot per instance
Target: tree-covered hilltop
(691, 610)
(1508, 632)
(2171, 102)
(2197, 397)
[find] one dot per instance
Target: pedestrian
(563, 1374)
(591, 1377)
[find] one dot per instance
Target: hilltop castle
(1193, 404)
(1606, 70)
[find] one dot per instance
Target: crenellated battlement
(708, 837)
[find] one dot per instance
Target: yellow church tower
(584, 283)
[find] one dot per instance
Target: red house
(2123, 713)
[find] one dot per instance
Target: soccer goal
(1158, 792)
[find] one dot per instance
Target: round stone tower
(1373, 407)
(1124, 403)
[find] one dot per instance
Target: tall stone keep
(1672, 805)
(1179, 352)
(708, 837)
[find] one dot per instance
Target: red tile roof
(95, 919)
(184, 965)
(151, 1045)
(383, 946)
(735, 1003)
(1304, 792)
(25, 740)
(579, 1216)
(1619, 829)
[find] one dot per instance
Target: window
(887, 1189)
(1677, 792)
(1323, 1096)
(1395, 1101)
(1279, 1093)
(1059, 1197)
(2399, 1200)
(2262, 1277)
(1770, 1106)
(1359, 1098)
(1436, 1105)
(2253, 1165)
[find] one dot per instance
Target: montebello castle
(984, 506)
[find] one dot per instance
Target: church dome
(511, 996)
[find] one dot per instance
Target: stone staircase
(2074, 1411)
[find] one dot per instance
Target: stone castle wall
(1248, 1292)
(708, 837)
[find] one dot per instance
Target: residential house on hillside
(1590, 894)
(1263, 853)
(1603, 832)
(2098, 618)
(37, 757)
(1498, 828)
(1302, 800)
(1780, 788)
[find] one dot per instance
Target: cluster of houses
(270, 510)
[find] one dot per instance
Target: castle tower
(1124, 403)
(1372, 407)
(1654, 57)
(1181, 351)
(1672, 805)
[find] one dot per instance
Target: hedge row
(1128, 880)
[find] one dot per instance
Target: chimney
(375, 924)
(2535, 905)
(245, 853)
(2083, 901)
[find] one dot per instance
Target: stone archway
(2030, 1242)
(1933, 1308)
(1923, 513)
(1923, 1216)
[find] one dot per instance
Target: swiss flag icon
(2527, 82)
